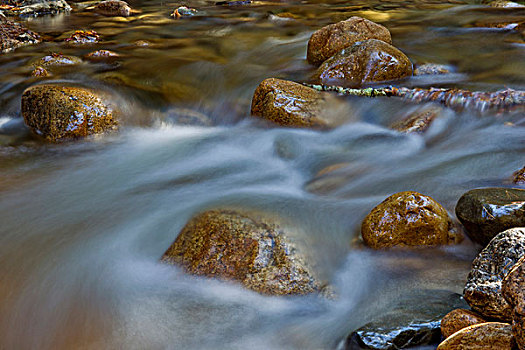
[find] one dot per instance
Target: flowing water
(83, 224)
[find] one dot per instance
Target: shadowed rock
(34, 8)
(513, 288)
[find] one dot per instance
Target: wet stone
(408, 219)
(513, 288)
(291, 104)
(505, 4)
(420, 120)
(433, 69)
(459, 319)
(102, 55)
(187, 116)
(488, 211)
(412, 320)
(183, 11)
(59, 113)
(365, 62)
(40, 72)
(113, 8)
(235, 246)
(331, 39)
(80, 37)
(13, 35)
(34, 8)
(519, 176)
(483, 336)
(484, 282)
(58, 60)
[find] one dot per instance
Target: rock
(483, 288)
(40, 72)
(102, 55)
(58, 112)
(331, 39)
(235, 246)
(408, 219)
(186, 116)
(419, 120)
(488, 211)
(505, 4)
(183, 11)
(459, 319)
(291, 104)
(34, 8)
(519, 176)
(433, 69)
(233, 3)
(411, 321)
(513, 288)
(80, 37)
(13, 35)
(483, 336)
(113, 8)
(365, 62)
(58, 60)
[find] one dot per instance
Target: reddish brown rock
(419, 120)
(58, 112)
(408, 219)
(13, 35)
(332, 38)
(113, 8)
(513, 289)
(459, 319)
(483, 336)
(365, 62)
(291, 104)
(241, 247)
(40, 72)
(80, 37)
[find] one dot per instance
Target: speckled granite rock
(58, 112)
(408, 219)
(458, 319)
(432, 69)
(58, 60)
(329, 40)
(235, 246)
(483, 336)
(113, 8)
(483, 288)
(365, 62)
(486, 212)
(14, 35)
(411, 321)
(513, 288)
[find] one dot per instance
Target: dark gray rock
(413, 320)
(483, 288)
(488, 211)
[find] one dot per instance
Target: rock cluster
(13, 35)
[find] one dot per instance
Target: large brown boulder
(291, 104)
(458, 319)
(483, 336)
(331, 39)
(365, 62)
(113, 8)
(236, 246)
(14, 35)
(58, 112)
(513, 288)
(408, 219)
(483, 287)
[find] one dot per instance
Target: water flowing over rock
(408, 219)
(483, 288)
(432, 69)
(58, 112)
(58, 60)
(458, 319)
(366, 61)
(519, 176)
(291, 104)
(489, 335)
(331, 39)
(420, 120)
(34, 8)
(413, 320)
(14, 35)
(513, 288)
(235, 246)
(488, 211)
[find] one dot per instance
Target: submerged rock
(419, 120)
(331, 39)
(433, 69)
(505, 4)
(113, 8)
(488, 211)
(483, 336)
(519, 176)
(102, 55)
(34, 8)
(413, 320)
(459, 319)
(58, 60)
(183, 11)
(235, 246)
(366, 62)
(513, 288)
(408, 219)
(291, 104)
(58, 112)
(483, 288)
(40, 72)
(13, 35)
(80, 37)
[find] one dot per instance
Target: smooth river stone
(513, 288)
(458, 319)
(483, 336)
(483, 287)
(486, 212)
(413, 320)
